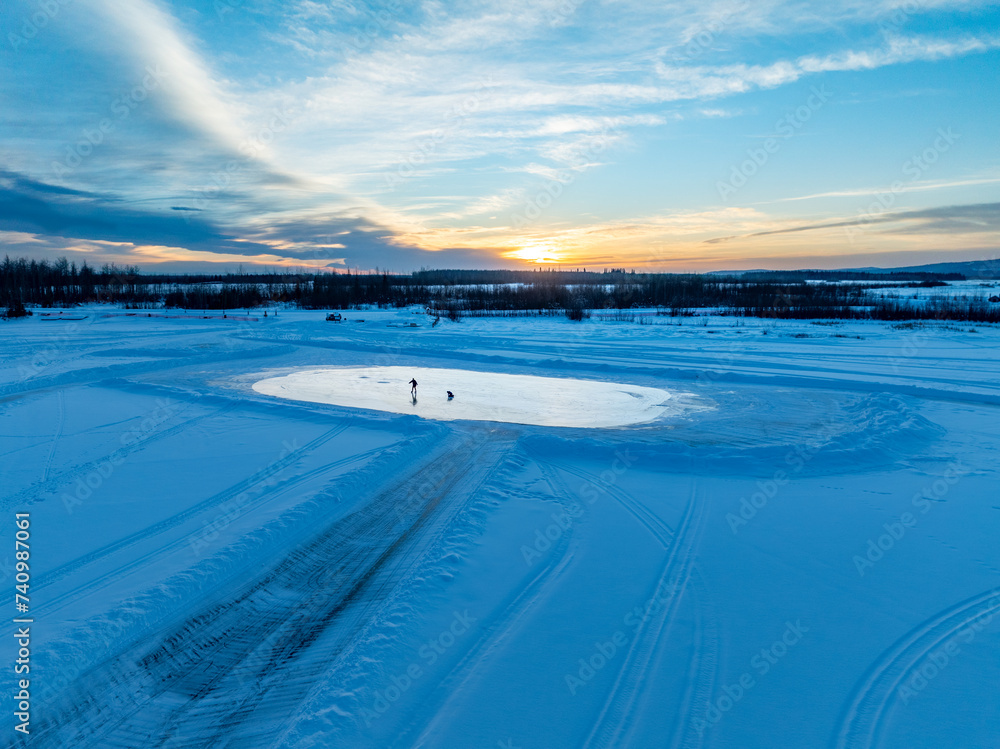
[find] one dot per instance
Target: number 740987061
(22, 553)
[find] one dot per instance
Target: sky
(197, 135)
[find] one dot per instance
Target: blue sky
(593, 133)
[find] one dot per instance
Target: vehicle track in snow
(450, 498)
(493, 631)
(648, 519)
(862, 721)
(96, 375)
(58, 480)
(206, 505)
(225, 674)
(617, 718)
(703, 673)
(705, 654)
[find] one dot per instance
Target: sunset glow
(693, 136)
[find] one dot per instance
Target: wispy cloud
(911, 187)
(976, 218)
(194, 97)
(694, 82)
(475, 107)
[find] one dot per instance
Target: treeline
(621, 275)
(456, 294)
(791, 276)
(539, 275)
(64, 283)
(226, 296)
(683, 296)
(675, 294)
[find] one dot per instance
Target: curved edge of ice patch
(479, 396)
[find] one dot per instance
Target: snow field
(214, 564)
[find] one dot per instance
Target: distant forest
(458, 293)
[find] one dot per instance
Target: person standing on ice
(413, 387)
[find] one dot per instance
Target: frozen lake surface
(792, 546)
(480, 396)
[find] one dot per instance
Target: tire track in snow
(704, 668)
(174, 520)
(207, 504)
(33, 493)
(861, 721)
(494, 630)
(94, 375)
(258, 604)
(616, 720)
(498, 629)
(177, 685)
(650, 520)
(61, 402)
(704, 660)
(379, 583)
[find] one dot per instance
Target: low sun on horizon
(540, 253)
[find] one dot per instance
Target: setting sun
(537, 252)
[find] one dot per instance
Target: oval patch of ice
(479, 396)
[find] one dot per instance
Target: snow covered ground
(804, 555)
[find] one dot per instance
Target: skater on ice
(413, 387)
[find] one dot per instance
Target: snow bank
(479, 396)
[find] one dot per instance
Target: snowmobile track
(617, 718)
(54, 482)
(704, 669)
(652, 522)
(862, 721)
(493, 631)
(175, 678)
(212, 502)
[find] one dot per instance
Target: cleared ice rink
(479, 396)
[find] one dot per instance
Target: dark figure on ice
(413, 387)
(450, 395)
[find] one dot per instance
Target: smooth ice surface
(479, 396)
